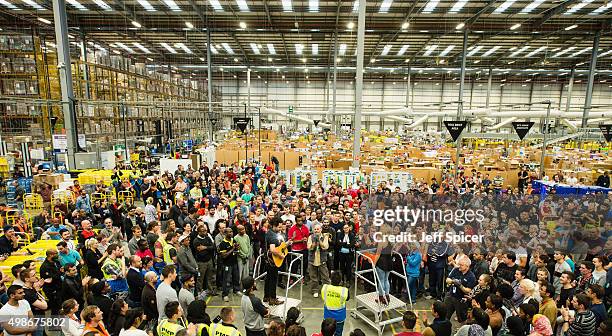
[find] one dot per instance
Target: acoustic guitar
(282, 250)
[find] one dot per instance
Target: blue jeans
(339, 328)
(383, 284)
(412, 287)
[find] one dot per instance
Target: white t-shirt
(7, 312)
(134, 332)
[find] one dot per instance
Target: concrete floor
(312, 309)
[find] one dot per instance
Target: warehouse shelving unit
(116, 99)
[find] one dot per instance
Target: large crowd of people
(146, 263)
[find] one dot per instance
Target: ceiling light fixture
(601, 9)
(255, 48)
(141, 47)
(403, 50)
(313, 6)
(242, 25)
(460, 26)
(571, 27)
(431, 5)
(385, 5)
(563, 51)
(515, 27)
(77, 5)
(9, 5)
(405, 25)
(184, 47)
(350, 25)
(271, 49)
(315, 49)
(168, 47)
(147, 5)
(502, 8)
(458, 6)
(446, 51)
(242, 5)
(577, 7)
(227, 48)
(43, 20)
(532, 5)
(124, 47)
(172, 5)
(189, 25)
(216, 5)
(103, 5)
(474, 51)
(299, 48)
(386, 50)
(136, 24)
(535, 51)
(342, 49)
(430, 49)
(287, 7)
(519, 51)
(33, 4)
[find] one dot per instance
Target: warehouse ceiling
(536, 35)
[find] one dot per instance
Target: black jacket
(149, 302)
(51, 269)
(72, 288)
(136, 284)
(105, 304)
(208, 253)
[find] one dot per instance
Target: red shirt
(409, 333)
(146, 253)
(296, 233)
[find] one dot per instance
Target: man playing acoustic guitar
(274, 240)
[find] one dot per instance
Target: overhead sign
(290, 108)
(522, 128)
(607, 131)
(242, 123)
(53, 121)
(455, 128)
(316, 122)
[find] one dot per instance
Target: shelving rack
(116, 101)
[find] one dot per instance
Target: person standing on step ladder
(273, 240)
(334, 301)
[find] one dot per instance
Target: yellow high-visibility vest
(218, 329)
(167, 247)
(167, 328)
(334, 297)
(203, 330)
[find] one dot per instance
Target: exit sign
(290, 108)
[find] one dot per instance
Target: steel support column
(461, 89)
(333, 120)
(359, 84)
(209, 66)
(85, 66)
(65, 76)
(589, 91)
(570, 88)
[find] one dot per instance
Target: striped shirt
(584, 324)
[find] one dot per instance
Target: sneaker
(428, 297)
(315, 295)
(226, 298)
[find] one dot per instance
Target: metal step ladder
(366, 305)
(298, 279)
